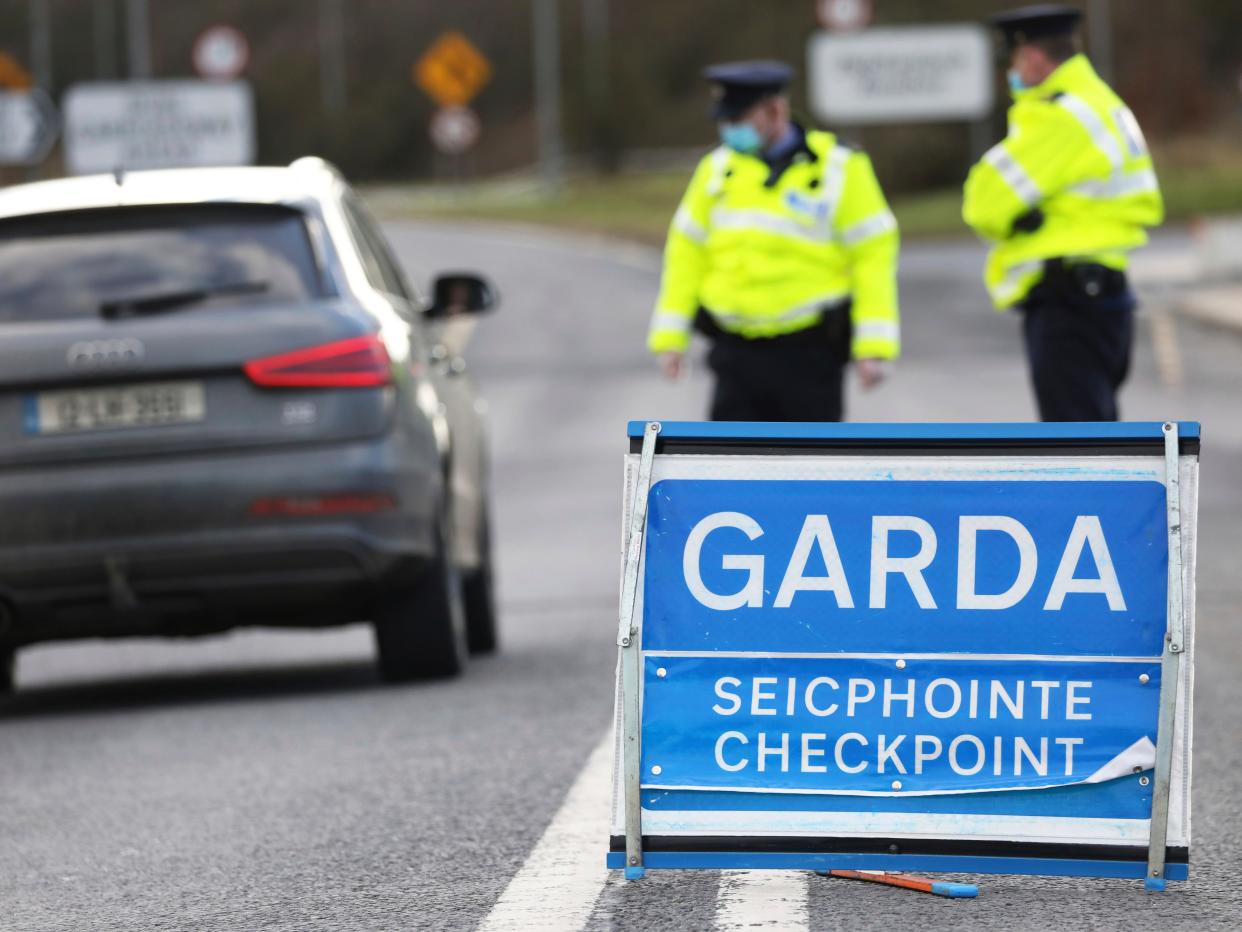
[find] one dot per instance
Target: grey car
(222, 404)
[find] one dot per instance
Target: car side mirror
(461, 293)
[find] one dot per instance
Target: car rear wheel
(420, 631)
(8, 671)
(478, 589)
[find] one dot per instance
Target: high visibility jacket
(765, 260)
(1076, 153)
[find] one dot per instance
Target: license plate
(151, 404)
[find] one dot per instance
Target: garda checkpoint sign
(908, 647)
(901, 74)
(130, 125)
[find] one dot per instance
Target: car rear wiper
(158, 302)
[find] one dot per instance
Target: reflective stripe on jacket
(1076, 153)
(765, 260)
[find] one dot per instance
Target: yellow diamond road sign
(12, 75)
(452, 71)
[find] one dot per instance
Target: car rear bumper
(297, 577)
(175, 546)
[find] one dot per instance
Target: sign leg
(1170, 671)
(630, 642)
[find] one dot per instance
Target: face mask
(741, 137)
(1016, 83)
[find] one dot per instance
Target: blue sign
(792, 579)
(866, 726)
(1037, 567)
(850, 639)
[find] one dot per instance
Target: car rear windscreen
(77, 264)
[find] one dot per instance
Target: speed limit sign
(454, 130)
(844, 15)
(220, 53)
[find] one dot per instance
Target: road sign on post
(13, 75)
(844, 15)
(902, 74)
(454, 130)
(220, 53)
(908, 647)
(28, 127)
(111, 125)
(452, 71)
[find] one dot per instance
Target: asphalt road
(268, 781)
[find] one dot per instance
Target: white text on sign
(817, 536)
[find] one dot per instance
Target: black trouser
(1078, 341)
(796, 377)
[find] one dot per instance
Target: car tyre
(420, 631)
(8, 671)
(479, 592)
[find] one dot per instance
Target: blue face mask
(741, 137)
(1016, 83)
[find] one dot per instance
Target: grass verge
(1197, 178)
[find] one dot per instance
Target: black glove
(1029, 222)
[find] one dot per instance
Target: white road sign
(454, 129)
(158, 124)
(28, 127)
(905, 74)
(221, 52)
(844, 15)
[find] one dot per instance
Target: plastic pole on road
(955, 891)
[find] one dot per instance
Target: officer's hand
(871, 372)
(673, 365)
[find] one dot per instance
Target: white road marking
(558, 884)
(762, 900)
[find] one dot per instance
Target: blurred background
(588, 112)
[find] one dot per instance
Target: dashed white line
(749, 900)
(558, 884)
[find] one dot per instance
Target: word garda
(817, 536)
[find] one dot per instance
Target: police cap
(740, 85)
(1042, 21)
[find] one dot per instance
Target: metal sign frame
(649, 439)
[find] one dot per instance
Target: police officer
(1063, 199)
(783, 253)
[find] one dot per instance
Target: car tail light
(342, 503)
(359, 362)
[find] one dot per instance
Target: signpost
(451, 73)
(132, 125)
(28, 127)
(901, 74)
(908, 647)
